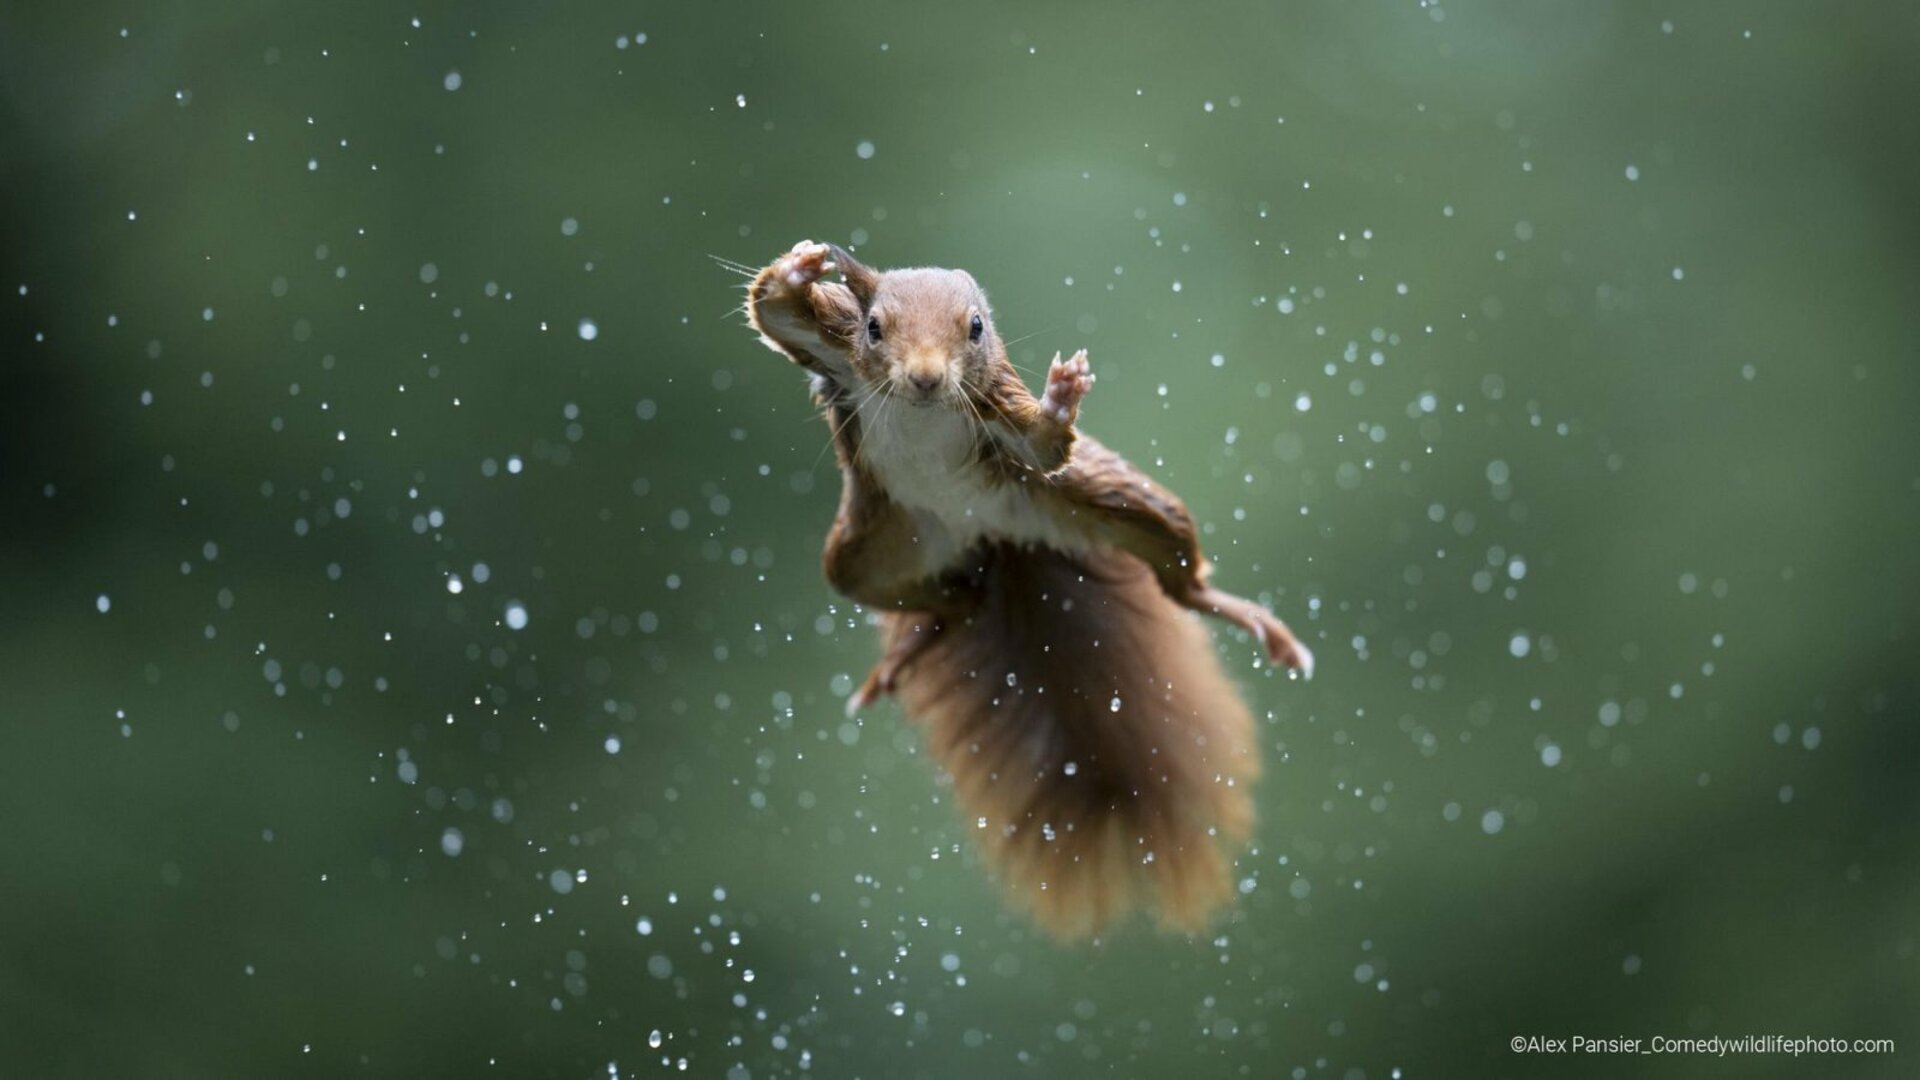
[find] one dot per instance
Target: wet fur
(1027, 576)
(1013, 694)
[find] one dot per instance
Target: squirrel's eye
(873, 328)
(975, 329)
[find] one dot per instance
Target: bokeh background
(413, 654)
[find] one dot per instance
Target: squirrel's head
(925, 336)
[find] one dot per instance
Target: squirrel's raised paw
(807, 263)
(1067, 382)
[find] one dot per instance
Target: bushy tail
(1092, 736)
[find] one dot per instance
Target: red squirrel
(1032, 589)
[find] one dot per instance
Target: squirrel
(1032, 589)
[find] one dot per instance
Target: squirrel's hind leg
(1267, 629)
(876, 556)
(1148, 522)
(907, 636)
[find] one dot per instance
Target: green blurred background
(1550, 366)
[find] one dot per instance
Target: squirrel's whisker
(742, 269)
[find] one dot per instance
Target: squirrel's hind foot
(1278, 642)
(1281, 646)
(904, 643)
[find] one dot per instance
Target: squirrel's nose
(925, 382)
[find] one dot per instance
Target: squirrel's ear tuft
(861, 278)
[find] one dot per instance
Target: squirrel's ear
(861, 278)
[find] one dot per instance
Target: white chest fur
(926, 459)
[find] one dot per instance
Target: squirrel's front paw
(807, 263)
(1067, 382)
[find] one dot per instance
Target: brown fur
(1011, 656)
(1021, 690)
